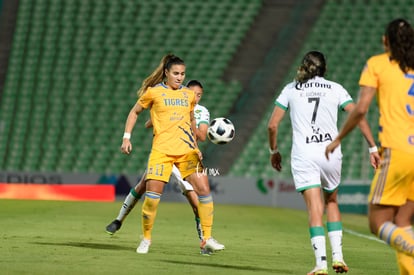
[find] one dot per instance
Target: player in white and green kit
(313, 102)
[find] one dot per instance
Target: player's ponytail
(313, 64)
(399, 36)
(158, 74)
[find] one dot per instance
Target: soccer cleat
(340, 267)
(218, 246)
(318, 271)
(205, 252)
(143, 246)
(211, 245)
(113, 227)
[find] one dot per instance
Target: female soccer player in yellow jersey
(390, 77)
(174, 143)
(202, 117)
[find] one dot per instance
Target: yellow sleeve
(369, 77)
(146, 99)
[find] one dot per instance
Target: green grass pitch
(55, 237)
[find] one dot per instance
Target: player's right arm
(354, 117)
(367, 133)
(272, 127)
(126, 146)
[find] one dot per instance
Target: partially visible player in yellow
(171, 108)
(403, 219)
(390, 77)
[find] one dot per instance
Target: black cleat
(113, 227)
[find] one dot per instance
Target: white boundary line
(352, 232)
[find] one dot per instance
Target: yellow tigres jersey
(395, 96)
(170, 116)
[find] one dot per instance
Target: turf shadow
(235, 267)
(87, 245)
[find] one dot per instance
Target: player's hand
(276, 161)
(126, 146)
(375, 159)
(331, 147)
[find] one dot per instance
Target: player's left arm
(148, 123)
(201, 131)
(194, 129)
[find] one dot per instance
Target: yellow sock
(397, 238)
(149, 211)
(205, 211)
(405, 262)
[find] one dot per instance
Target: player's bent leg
(193, 201)
(403, 219)
(397, 238)
(405, 263)
(129, 203)
(114, 226)
(141, 186)
(380, 221)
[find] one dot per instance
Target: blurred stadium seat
(75, 67)
(348, 32)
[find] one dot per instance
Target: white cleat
(143, 246)
(211, 245)
(218, 246)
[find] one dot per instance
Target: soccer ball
(220, 131)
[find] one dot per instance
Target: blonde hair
(158, 74)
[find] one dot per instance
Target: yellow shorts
(160, 165)
(393, 182)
